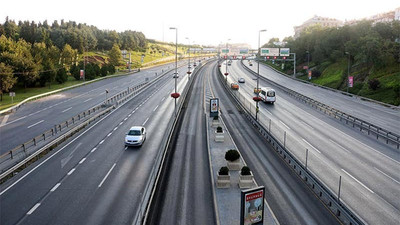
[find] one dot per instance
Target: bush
(223, 171)
(232, 155)
(374, 84)
(245, 171)
(103, 71)
(61, 76)
(219, 129)
(75, 72)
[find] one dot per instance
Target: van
(267, 95)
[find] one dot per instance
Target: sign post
(252, 206)
(351, 79)
(214, 105)
(12, 95)
(309, 74)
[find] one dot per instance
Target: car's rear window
(134, 132)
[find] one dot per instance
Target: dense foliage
(38, 54)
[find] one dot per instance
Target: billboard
(351, 79)
(244, 51)
(214, 105)
(269, 52)
(225, 50)
(252, 206)
(284, 52)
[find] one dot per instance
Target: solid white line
(36, 123)
(155, 108)
(145, 121)
(14, 121)
(104, 179)
(33, 209)
(101, 142)
(109, 134)
(94, 149)
(358, 181)
(66, 109)
(83, 160)
(284, 124)
(55, 187)
(311, 146)
(71, 171)
(339, 145)
(4, 120)
(87, 100)
(387, 175)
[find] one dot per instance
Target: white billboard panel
(284, 52)
(269, 51)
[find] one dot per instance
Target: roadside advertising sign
(284, 52)
(351, 81)
(305, 67)
(82, 73)
(269, 52)
(12, 94)
(214, 105)
(225, 50)
(309, 74)
(252, 206)
(244, 51)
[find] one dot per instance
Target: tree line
(38, 54)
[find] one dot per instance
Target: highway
(185, 196)
(40, 115)
(94, 178)
(369, 169)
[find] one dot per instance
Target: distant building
(386, 17)
(397, 14)
(322, 21)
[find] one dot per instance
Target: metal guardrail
(338, 208)
(369, 128)
(25, 150)
(148, 194)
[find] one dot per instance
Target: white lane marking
(266, 110)
(109, 134)
(130, 115)
(312, 128)
(14, 121)
(387, 175)
(115, 128)
(155, 108)
(145, 121)
(125, 118)
(163, 99)
(83, 160)
(4, 120)
(126, 147)
(104, 179)
(36, 124)
(311, 146)
(66, 109)
(340, 146)
(101, 142)
(121, 123)
(358, 181)
(284, 125)
(88, 99)
(33, 209)
(94, 149)
(71, 171)
(55, 187)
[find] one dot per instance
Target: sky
(204, 22)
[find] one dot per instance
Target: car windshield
(134, 132)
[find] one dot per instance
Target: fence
(288, 150)
(364, 126)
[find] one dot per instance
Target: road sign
(284, 52)
(309, 74)
(225, 50)
(351, 79)
(252, 206)
(269, 52)
(243, 51)
(214, 105)
(82, 73)
(12, 94)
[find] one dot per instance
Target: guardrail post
(84, 114)
(66, 122)
(369, 128)
(387, 138)
(284, 139)
(269, 126)
(34, 141)
(44, 136)
(73, 120)
(11, 154)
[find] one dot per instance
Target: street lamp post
(348, 71)
(189, 61)
(176, 63)
(308, 60)
(226, 62)
(258, 71)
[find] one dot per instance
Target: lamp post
(176, 94)
(258, 72)
(348, 71)
(188, 72)
(226, 62)
(308, 60)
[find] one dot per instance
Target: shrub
(374, 84)
(232, 155)
(61, 76)
(223, 171)
(245, 171)
(103, 71)
(219, 129)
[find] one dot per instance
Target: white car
(176, 75)
(136, 136)
(241, 80)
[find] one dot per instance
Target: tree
(90, 73)
(61, 76)
(115, 55)
(75, 72)
(7, 79)
(104, 70)
(67, 55)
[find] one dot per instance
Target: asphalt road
(93, 178)
(290, 199)
(186, 188)
(40, 115)
(369, 169)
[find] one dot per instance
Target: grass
(332, 76)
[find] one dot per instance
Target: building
(397, 14)
(322, 21)
(386, 17)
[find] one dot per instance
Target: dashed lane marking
(35, 124)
